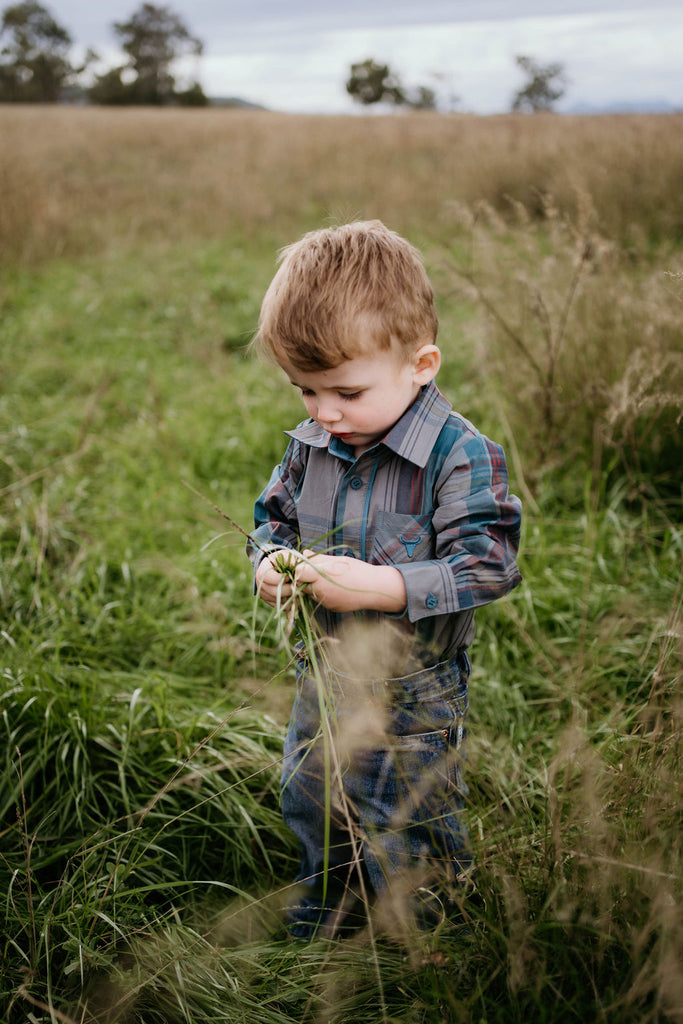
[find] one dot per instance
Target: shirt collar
(413, 437)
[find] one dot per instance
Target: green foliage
(192, 97)
(109, 88)
(153, 38)
(34, 63)
(544, 87)
(122, 805)
(422, 98)
(370, 82)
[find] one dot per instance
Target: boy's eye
(346, 397)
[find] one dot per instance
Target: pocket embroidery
(411, 544)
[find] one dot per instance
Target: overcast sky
(295, 55)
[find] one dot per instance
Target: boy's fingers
(275, 591)
(305, 573)
(276, 581)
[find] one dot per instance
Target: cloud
(608, 57)
(299, 59)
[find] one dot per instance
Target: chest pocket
(401, 538)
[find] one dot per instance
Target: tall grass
(74, 180)
(580, 351)
(142, 860)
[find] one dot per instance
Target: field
(145, 694)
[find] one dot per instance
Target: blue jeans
(372, 787)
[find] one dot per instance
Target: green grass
(142, 857)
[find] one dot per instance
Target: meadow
(144, 691)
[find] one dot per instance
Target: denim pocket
(430, 700)
(439, 751)
(424, 750)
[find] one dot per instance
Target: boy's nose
(328, 412)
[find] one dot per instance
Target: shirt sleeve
(275, 518)
(476, 523)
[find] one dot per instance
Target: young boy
(396, 513)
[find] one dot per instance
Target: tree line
(36, 66)
(35, 62)
(371, 82)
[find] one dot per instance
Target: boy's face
(360, 400)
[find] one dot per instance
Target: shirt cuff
(429, 590)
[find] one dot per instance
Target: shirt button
(356, 482)
(431, 600)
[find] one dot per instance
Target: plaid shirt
(430, 498)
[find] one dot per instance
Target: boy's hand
(272, 584)
(343, 584)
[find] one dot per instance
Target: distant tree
(545, 85)
(421, 98)
(153, 38)
(34, 62)
(370, 82)
(109, 88)
(192, 97)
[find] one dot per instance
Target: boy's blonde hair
(337, 282)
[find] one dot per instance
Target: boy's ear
(426, 363)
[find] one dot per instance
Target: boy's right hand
(272, 584)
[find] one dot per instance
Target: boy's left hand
(343, 584)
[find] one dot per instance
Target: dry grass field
(74, 178)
